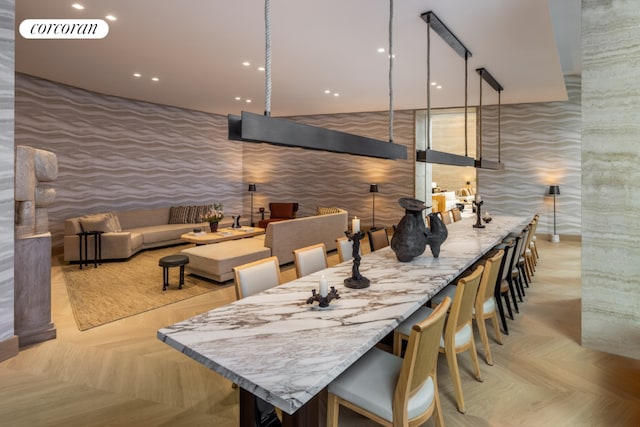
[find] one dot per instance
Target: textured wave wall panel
(317, 178)
(610, 159)
(120, 154)
(540, 146)
(7, 66)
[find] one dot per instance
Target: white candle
(324, 287)
(355, 224)
(478, 198)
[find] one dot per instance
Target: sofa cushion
(106, 222)
(178, 214)
(326, 211)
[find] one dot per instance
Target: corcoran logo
(64, 29)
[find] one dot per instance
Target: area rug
(115, 290)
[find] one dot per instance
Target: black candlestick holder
(357, 280)
(324, 301)
(478, 206)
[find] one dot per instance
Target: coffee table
(221, 235)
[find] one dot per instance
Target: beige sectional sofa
(127, 232)
(216, 261)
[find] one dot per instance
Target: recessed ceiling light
(380, 50)
(248, 101)
(439, 87)
(246, 63)
(260, 68)
(137, 75)
(433, 83)
(111, 18)
(336, 94)
(155, 79)
(327, 91)
(77, 6)
(237, 98)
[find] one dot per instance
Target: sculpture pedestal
(32, 275)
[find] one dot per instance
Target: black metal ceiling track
(445, 33)
(251, 127)
(442, 157)
(483, 163)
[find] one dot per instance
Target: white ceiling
(196, 49)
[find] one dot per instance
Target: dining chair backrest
(507, 259)
(489, 278)
(463, 302)
(378, 238)
(420, 362)
(446, 217)
(457, 215)
(256, 276)
(345, 249)
(310, 259)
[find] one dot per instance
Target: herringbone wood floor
(119, 374)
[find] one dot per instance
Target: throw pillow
(113, 222)
(326, 211)
(178, 214)
(94, 223)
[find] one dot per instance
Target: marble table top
(285, 351)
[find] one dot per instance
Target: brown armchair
(279, 212)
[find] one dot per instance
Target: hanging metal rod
(429, 155)
(482, 163)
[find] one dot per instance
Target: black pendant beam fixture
(483, 163)
(253, 127)
(429, 155)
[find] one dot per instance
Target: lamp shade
(252, 187)
(373, 188)
(554, 190)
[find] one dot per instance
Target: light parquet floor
(119, 374)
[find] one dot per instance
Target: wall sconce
(373, 188)
(252, 189)
(554, 190)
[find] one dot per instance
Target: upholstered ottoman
(216, 261)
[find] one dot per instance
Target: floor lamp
(252, 189)
(554, 190)
(373, 188)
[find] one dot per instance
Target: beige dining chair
(378, 238)
(390, 390)
(256, 276)
(345, 249)
(485, 303)
(310, 259)
(458, 333)
(446, 217)
(457, 215)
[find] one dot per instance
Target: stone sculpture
(412, 236)
(35, 168)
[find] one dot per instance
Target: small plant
(215, 214)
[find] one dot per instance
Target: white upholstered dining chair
(390, 390)
(310, 259)
(256, 276)
(458, 333)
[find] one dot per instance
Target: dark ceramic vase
(410, 238)
(436, 234)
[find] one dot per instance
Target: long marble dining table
(279, 348)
